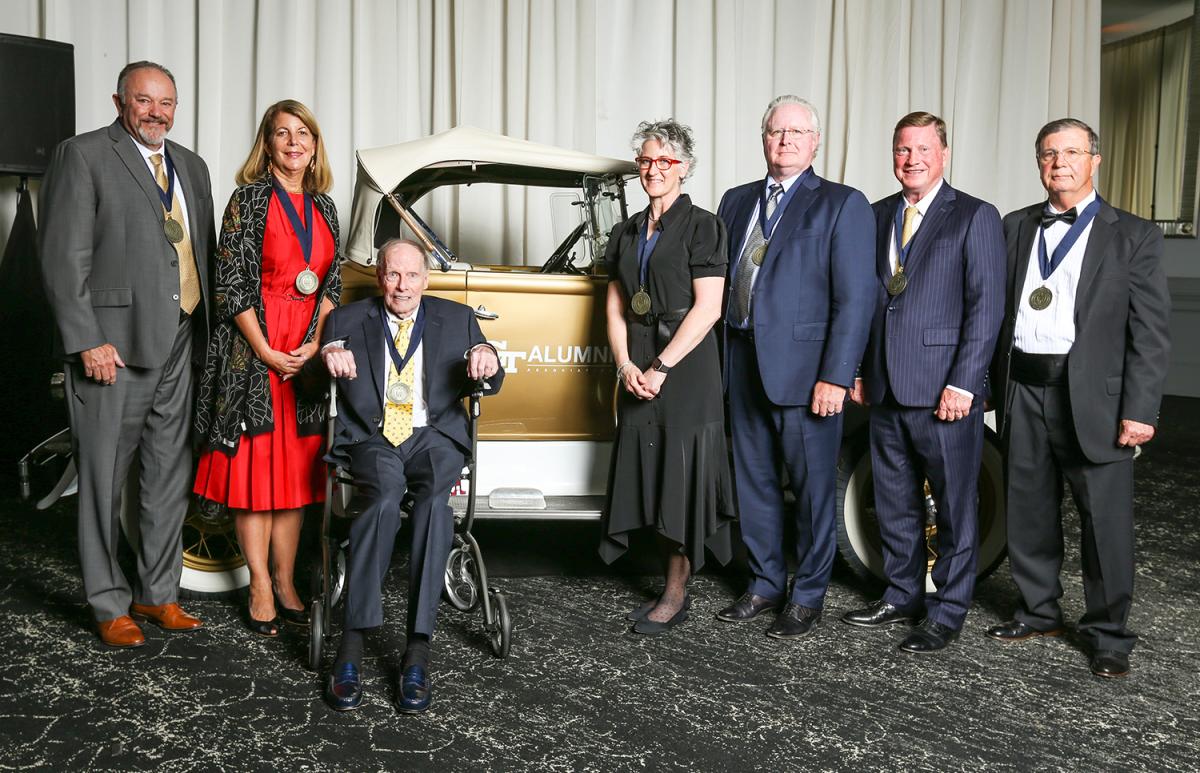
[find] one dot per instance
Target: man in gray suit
(127, 225)
(1080, 367)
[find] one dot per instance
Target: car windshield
(564, 229)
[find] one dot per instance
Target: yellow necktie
(910, 217)
(398, 417)
(189, 278)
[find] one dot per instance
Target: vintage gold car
(545, 439)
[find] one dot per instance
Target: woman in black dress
(670, 468)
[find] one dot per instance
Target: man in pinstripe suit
(940, 265)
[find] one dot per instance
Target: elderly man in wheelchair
(403, 364)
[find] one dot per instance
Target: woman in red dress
(277, 277)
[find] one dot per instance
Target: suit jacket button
(174, 297)
(374, 419)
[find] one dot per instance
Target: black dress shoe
(929, 637)
(643, 610)
(344, 690)
(1110, 663)
(653, 627)
(415, 692)
(1015, 630)
(747, 607)
(794, 621)
(878, 613)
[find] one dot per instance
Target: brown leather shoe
(120, 632)
(169, 617)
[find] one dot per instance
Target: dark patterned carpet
(579, 692)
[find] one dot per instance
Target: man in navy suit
(403, 363)
(940, 288)
(1080, 368)
(797, 317)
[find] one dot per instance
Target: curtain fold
(582, 73)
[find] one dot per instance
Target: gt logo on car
(554, 356)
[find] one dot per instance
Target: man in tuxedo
(404, 363)
(939, 269)
(126, 231)
(797, 316)
(1079, 369)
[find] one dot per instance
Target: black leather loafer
(1015, 630)
(344, 690)
(747, 607)
(878, 613)
(794, 621)
(415, 693)
(643, 610)
(929, 637)
(1110, 664)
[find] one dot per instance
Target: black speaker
(37, 101)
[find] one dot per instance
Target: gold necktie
(189, 277)
(910, 217)
(398, 417)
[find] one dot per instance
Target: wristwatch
(660, 366)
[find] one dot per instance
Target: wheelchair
(465, 585)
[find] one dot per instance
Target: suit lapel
(792, 216)
(373, 342)
(740, 224)
(1025, 235)
(191, 194)
(1100, 239)
(885, 214)
(431, 342)
(129, 155)
(935, 219)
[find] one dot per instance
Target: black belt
(1038, 369)
(651, 320)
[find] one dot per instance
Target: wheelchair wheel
(461, 588)
(316, 634)
(500, 632)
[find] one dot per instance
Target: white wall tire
(858, 529)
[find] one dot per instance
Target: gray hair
(132, 67)
(392, 244)
(792, 99)
(1063, 124)
(670, 133)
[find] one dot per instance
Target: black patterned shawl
(234, 395)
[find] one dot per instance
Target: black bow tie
(1049, 218)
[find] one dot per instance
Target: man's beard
(145, 136)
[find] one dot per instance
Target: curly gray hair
(670, 133)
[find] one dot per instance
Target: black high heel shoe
(291, 616)
(268, 628)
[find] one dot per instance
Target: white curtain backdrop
(582, 73)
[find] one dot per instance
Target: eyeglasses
(1071, 155)
(782, 134)
(662, 162)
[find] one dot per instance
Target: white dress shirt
(420, 408)
(146, 154)
(1052, 330)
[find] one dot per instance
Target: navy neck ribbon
(1049, 263)
(902, 250)
(644, 248)
(167, 197)
(304, 231)
(414, 339)
(768, 225)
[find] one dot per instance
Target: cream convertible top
(457, 157)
